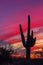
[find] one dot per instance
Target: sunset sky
(15, 12)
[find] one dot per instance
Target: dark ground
(21, 61)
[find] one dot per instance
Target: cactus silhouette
(30, 40)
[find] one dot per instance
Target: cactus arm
(28, 33)
(22, 36)
(34, 39)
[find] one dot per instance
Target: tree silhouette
(5, 55)
(30, 40)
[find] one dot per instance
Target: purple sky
(14, 12)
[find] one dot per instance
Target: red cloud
(24, 26)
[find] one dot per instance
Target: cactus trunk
(28, 53)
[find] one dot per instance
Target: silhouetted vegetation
(30, 40)
(6, 59)
(5, 55)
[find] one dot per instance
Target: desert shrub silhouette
(5, 55)
(30, 40)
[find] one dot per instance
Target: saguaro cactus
(30, 40)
